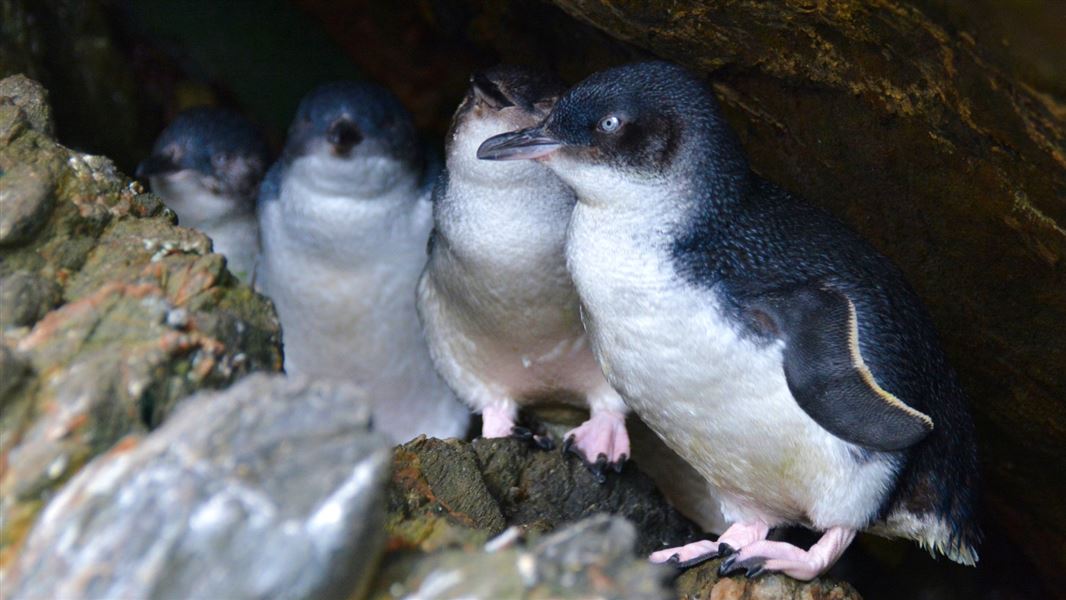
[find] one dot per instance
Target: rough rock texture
(146, 314)
(273, 488)
(703, 583)
(448, 492)
(593, 558)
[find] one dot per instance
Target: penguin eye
(609, 124)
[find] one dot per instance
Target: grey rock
(14, 370)
(25, 298)
(26, 200)
(272, 489)
(31, 99)
(593, 558)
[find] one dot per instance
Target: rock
(449, 492)
(31, 98)
(111, 359)
(703, 582)
(271, 489)
(25, 298)
(25, 203)
(593, 558)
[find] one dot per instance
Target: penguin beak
(343, 135)
(156, 164)
(524, 144)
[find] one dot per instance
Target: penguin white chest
(716, 396)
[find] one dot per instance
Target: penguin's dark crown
(510, 85)
(210, 141)
(347, 114)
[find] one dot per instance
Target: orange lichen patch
(126, 444)
(54, 321)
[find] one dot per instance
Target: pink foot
(797, 563)
(739, 535)
(497, 421)
(601, 441)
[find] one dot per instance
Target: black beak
(343, 135)
(519, 145)
(488, 92)
(156, 164)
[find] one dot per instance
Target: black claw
(675, 559)
(727, 565)
(621, 463)
(543, 442)
(756, 570)
(725, 550)
(568, 444)
(539, 441)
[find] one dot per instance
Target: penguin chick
(772, 348)
(206, 166)
(500, 312)
(344, 218)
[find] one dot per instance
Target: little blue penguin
(499, 309)
(207, 166)
(768, 345)
(345, 216)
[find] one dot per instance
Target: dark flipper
(827, 375)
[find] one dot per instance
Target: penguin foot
(602, 442)
(732, 540)
(497, 421)
(766, 556)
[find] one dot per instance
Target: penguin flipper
(826, 373)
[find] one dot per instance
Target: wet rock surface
(110, 313)
(273, 488)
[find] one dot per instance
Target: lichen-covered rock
(271, 489)
(146, 313)
(593, 558)
(449, 492)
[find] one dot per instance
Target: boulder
(273, 488)
(109, 313)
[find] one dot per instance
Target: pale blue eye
(610, 124)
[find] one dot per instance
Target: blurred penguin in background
(345, 216)
(207, 166)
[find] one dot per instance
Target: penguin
(345, 216)
(498, 307)
(207, 166)
(771, 347)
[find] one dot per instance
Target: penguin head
(638, 125)
(355, 137)
(500, 99)
(207, 151)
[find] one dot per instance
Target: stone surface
(271, 489)
(449, 492)
(147, 316)
(703, 583)
(593, 558)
